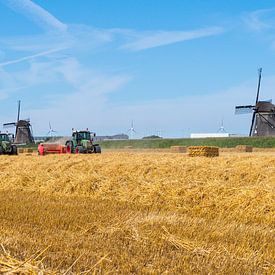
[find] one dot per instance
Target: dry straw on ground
(128, 147)
(244, 148)
(33, 265)
(203, 151)
(178, 149)
(124, 213)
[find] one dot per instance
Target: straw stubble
(138, 213)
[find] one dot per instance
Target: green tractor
(6, 146)
(82, 143)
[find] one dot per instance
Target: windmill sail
(10, 124)
(239, 110)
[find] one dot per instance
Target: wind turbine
(132, 130)
(51, 131)
(222, 129)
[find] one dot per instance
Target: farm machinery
(6, 145)
(82, 142)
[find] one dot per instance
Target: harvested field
(138, 213)
(244, 148)
(178, 149)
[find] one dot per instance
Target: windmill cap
(265, 106)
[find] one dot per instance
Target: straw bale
(20, 150)
(203, 151)
(25, 150)
(244, 148)
(178, 149)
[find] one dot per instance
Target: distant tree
(152, 137)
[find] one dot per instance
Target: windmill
(132, 130)
(51, 131)
(23, 130)
(263, 114)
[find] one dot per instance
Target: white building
(212, 135)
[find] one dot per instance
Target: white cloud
(30, 57)
(36, 13)
(87, 81)
(149, 40)
(260, 20)
(85, 97)
(84, 105)
(81, 36)
(35, 43)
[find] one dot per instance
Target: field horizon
(258, 142)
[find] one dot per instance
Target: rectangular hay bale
(25, 150)
(20, 150)
(203, 151)
(244, 148)
(178, 149)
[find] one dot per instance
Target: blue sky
(172, 66)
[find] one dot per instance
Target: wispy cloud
(5, 93)
(30, 57)
(260, 20)
(149, 40)
(36, 13)
(87, 81)
(87, 94)
(80, 36)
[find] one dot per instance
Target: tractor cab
(6, 146)
(4, 137)
(7, 137)
(81, 135)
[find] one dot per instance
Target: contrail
(36, 13)
(30, 57)
(162, 38)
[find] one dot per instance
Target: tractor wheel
(80, 150)
(97, 149)
(14, 150)
(1, 150)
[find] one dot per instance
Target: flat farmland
(138, 212)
